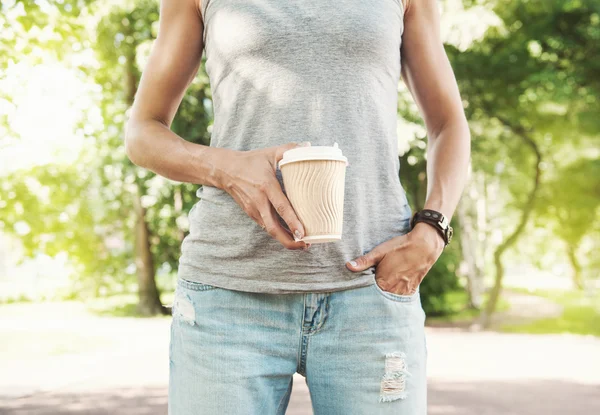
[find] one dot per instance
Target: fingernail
(297, 235)
(304, 144)
(306, 247)
(354, 263)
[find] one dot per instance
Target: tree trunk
(149, 298)
(467, 213)
(525, 215)
(577, 274)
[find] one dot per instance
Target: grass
(122, 305)
(118, 305)
(581, 314)
(21, 298)
(458, 310)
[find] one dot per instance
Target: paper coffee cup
(314, 180)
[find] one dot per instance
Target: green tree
(30, 31)
(122, 216)
(569, 204)
(38, 205)
(529, 91)
(50, 25)
(153, 207)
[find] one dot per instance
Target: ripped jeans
(362, 351)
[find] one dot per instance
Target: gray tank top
(321, 71)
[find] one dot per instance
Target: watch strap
(435, 219)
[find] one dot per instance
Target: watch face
(450, 233)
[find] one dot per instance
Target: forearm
(448, 156)
(152, 145)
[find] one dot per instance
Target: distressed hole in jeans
(183, 308)
(393, 382)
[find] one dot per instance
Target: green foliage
(440, 282)
(528, 85)
(442, 278)
(56, 209)
(28, 26)
(570, 200)
(124, 39)
(86, 209)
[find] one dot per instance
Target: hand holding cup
(249, 177)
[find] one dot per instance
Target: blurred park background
(89, 243)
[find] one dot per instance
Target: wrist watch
(435, 219)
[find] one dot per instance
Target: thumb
(285, 147)
(363, 262)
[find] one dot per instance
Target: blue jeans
(362, 351)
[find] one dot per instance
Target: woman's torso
(294, 70)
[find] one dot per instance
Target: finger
(366, 261)
(374, 257)
(382, 282)
(403, 286)
(285, 147)
(274, 228)
(283, 207)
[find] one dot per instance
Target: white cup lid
(313, 153)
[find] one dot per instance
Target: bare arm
(402, 262)
(173, 63)
(430, 79)
(248, 176)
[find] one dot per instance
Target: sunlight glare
(48, 102)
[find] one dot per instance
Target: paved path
(470, 373)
